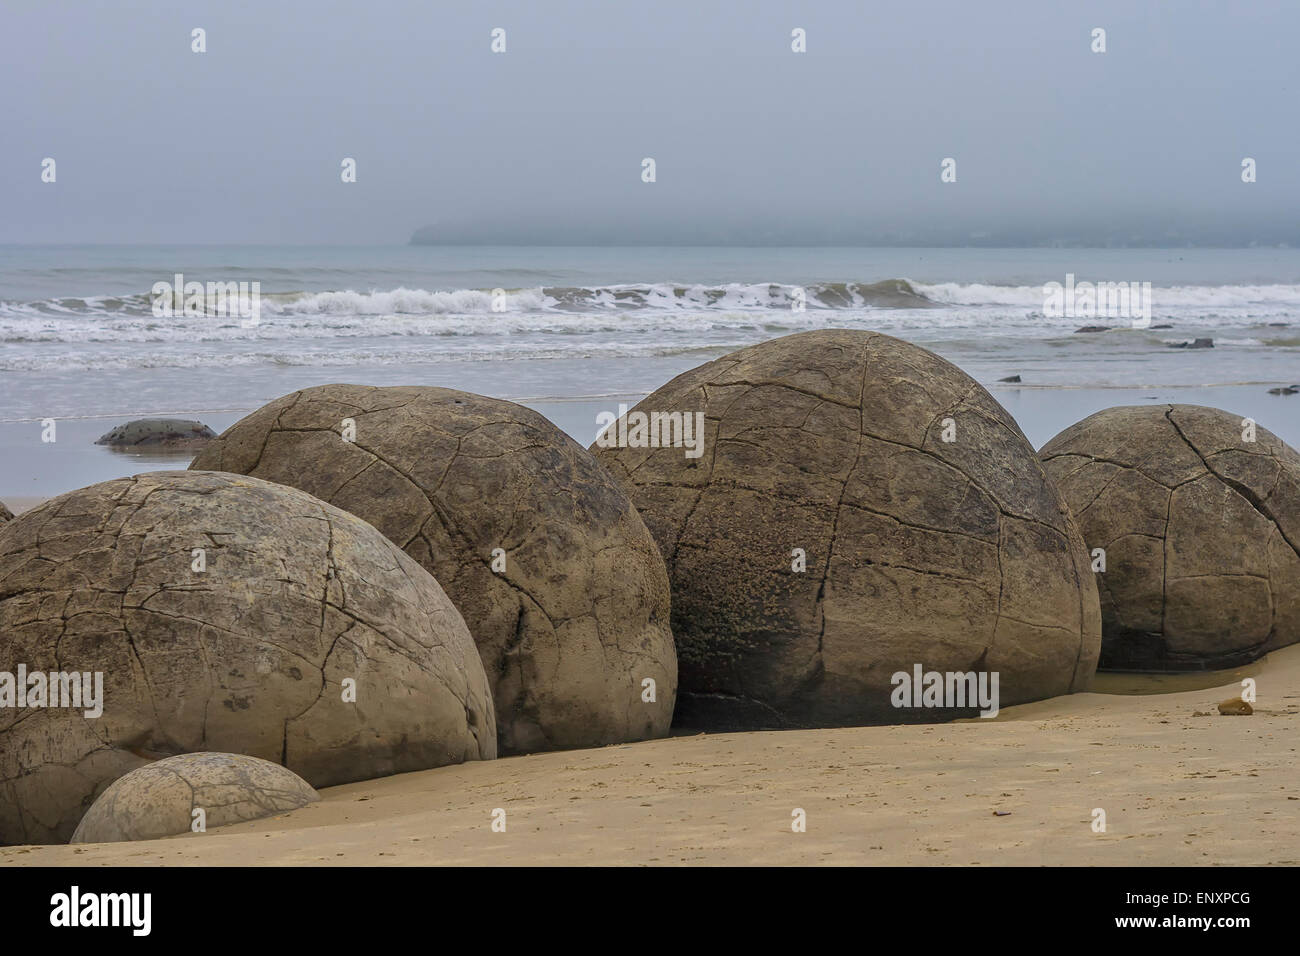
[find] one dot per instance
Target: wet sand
(30, 468)
(1177, 789)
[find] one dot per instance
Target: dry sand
(1177, 789)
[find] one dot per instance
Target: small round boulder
(1198, 513)
(540, 549)
(158, 432)
(161, 799)
(5, 513)
(177, 612)
(858, 509)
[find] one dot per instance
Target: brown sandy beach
(1178, 789)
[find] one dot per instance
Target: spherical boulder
(176, 612)
(1197, 511)
(161, 799)
(557, 577)
(859, 509)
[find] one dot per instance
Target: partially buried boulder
(557, 577)
(158, 432)
(1198, 513)
(189, 611)
(858, 507)
(5, 513)
(161, 798)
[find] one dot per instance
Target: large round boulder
(192, 611)
(1197, 512)
(557, 577)
(859, 508)
(161, 799)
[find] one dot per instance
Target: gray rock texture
(956, 555)
(1200, 528)
(165, 432)
(578, 618)
(159, 799)
(5, 513)
(249, 655)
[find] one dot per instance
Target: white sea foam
(408, 302)
(668, 297)
(1167, 297)
(412, 324)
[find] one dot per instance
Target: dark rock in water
(1197, 344)
(887, 294)
(167, 432)
(1165, 325)
(1201, 529)
(569, 617)
(1279, 325)
(1094, 328)
(250, 652)
(1287, 390)
(1010, 378)
(5, 513)
(862, 508)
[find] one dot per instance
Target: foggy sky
(753, 143)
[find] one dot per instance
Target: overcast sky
(752, 142)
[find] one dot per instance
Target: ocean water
(578, 329)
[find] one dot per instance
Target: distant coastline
(764, 237)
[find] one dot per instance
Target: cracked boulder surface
(248, 655)
(1201, 530)
(159, 799)
(957, 556)
(580, 615)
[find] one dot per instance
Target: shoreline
(31, 470)
(1019, 789)
(993, 387)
